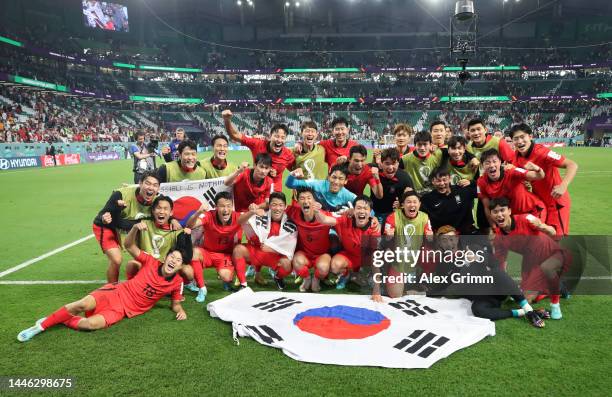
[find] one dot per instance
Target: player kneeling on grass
(219, 227)
(272, 238)
(543, 258)
(114, 301)
(125, 207)
(159, 237)
(313, 241)
(357, 232)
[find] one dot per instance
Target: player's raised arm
(244, 217)
(194, 220)
(231, 179)
(534, 172)
(321, 217)
(130, 240)
(233, 133)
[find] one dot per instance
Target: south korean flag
(408, 332)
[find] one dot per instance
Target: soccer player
(220, 227)
(313, 241)
(357, 232)
(552, 189)
(282, 158)
(408, 226)
(125, 207)
(461, 164)
(185, 168)
(437, 129)
(309, 155)
(449, 204)
(251, 185)
(421, 162)
(401, 135)
(394, 182)
(171, 152)
(159, 237)
(543, 258)
(481, 141)
(488, 302)
(331, 192)
(361, 174)
(499, 182)
(337, 148)
(272, 238)
(115, 301)
(217, 165)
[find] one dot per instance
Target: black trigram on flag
(422, 343)
(289, 227)
(261, 221)
(209, 195)
(412, 308)
(265, 333)
(276, 304)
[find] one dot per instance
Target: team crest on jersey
(157, 242)
(458, 199)
(139, 216)
(455, 179)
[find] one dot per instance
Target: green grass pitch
(43, 209)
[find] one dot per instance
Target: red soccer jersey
(139, 294)
(357, 183)
(510, 185)
(525, 239)
(274, 231)
(313, 237)
(280, 161)
(247, 192)
(332, 152)
(550, 162)
(352, 237)
(217, 237)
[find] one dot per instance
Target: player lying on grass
(125, 207)
(158, 238)
(313, 243)
(486, 299)
(251, 185)
(114, 301)
(220, 227)
(358, 232)
(543, 259)
(272, 238)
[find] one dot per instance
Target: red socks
(60, 316)
(73, 322)
(198, 272)
(282, 273)
(304, 272)
(555, 299)
(240, 265)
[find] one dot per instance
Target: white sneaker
(31, 332)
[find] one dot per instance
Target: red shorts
(533, 279)
(108, 304)
(558, 217)
(215, 259)
(259, 258)
(107, 238)
(354, 263)
(312, 259)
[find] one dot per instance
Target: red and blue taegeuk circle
(341, 322)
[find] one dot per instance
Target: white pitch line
(51, 282)
(43, 256)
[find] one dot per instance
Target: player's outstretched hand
(474, 164)
(341, 160)
(558, 191)
(243, 166)
(141, 226)
(396, 204)
(107, 218)
(317, 206)
(297, 149)
(463, 183)
(187, 230)
(180, 316)
(253, 208)
(377, 298)
(272, 172)
(175, 225)
(121, 203)
(375, 224)
(298, 173)
(375, 172)
(226, 114)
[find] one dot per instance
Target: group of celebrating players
(443, 185)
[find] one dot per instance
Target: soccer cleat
(305, 286)
(236, 282)
(534, 319)
(260, 280)
(341, 283)
(192, 287)
(543, 313)
(298, 280)
(31, 332)
(555, 311)
(280, 283)
(271, 272)
(227, 286)
(201, 295)
(250, 271)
